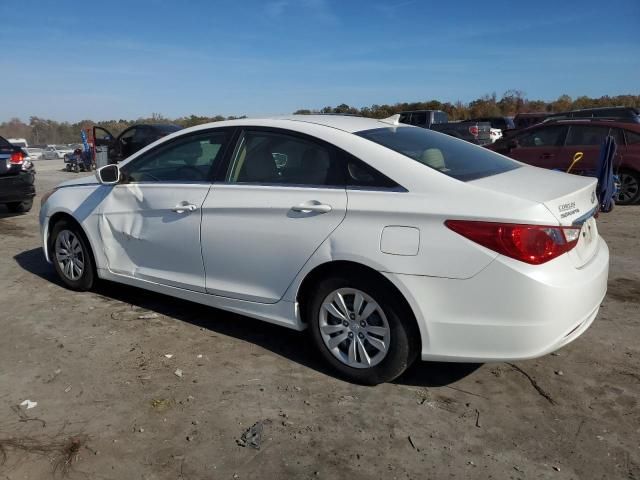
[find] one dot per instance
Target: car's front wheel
(629, 193)
(362, 330)
(71, 256)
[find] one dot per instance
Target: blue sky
(125, 59)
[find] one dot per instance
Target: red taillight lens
(16, 158)
(533, 244)
(474, 131)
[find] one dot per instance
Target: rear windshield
(453, 157)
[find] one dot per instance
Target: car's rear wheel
(629, 193)
(72, 257)
(20, 207)
(361, 329)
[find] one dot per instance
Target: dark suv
(626, 114)
(131, 140)
(17, 177)
(554, 145)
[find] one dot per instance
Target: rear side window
(452, 157)
(276, 158)
(586, 135)
(543, 137)
(633, 138)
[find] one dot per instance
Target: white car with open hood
(386, 241)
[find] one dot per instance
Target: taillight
(16, 158)
(533, 244)
(474, 130)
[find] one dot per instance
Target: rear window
(453, 157)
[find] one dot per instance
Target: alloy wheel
(628, 187)
(69, 255)
(354, 328)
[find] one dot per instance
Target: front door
(540, 147)
(150, 222)
(283, 195)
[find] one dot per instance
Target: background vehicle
(35, 153)
(18, 142)
(496, 134)
(444, 249)
(619, 113)
(502, 123)
(55, 152)
(131, 140)
(553, 145)
(525, 120)
(16, 178)
(471, 131)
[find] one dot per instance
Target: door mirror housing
(108, 175)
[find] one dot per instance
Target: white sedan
(387, 242)
(54, 152)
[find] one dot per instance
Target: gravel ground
(134, 385)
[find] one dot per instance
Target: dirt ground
(111, 406)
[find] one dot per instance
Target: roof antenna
(392, 120)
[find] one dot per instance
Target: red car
(554, 145)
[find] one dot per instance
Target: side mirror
(108, 175)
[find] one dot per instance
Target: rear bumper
(17, 188)
(508, 311)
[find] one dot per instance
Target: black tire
(629, 193)
(404, 338)
(87, 278)
(20, 207)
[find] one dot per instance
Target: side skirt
(283, 313)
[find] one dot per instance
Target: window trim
(213, 169)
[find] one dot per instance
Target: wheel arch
(337, 267)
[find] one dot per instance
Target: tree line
(41, 131)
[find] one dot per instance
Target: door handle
(183, 207)
(312, 206)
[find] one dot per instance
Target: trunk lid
(571, 199)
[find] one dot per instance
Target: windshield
(19, 144)
(453, 157)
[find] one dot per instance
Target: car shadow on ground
(282, 341)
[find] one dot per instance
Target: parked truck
(472, 131)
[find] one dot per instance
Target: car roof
(347, 123)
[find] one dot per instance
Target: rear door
(103, 138)
(540, 147)
(582, 148)
(282, 195)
